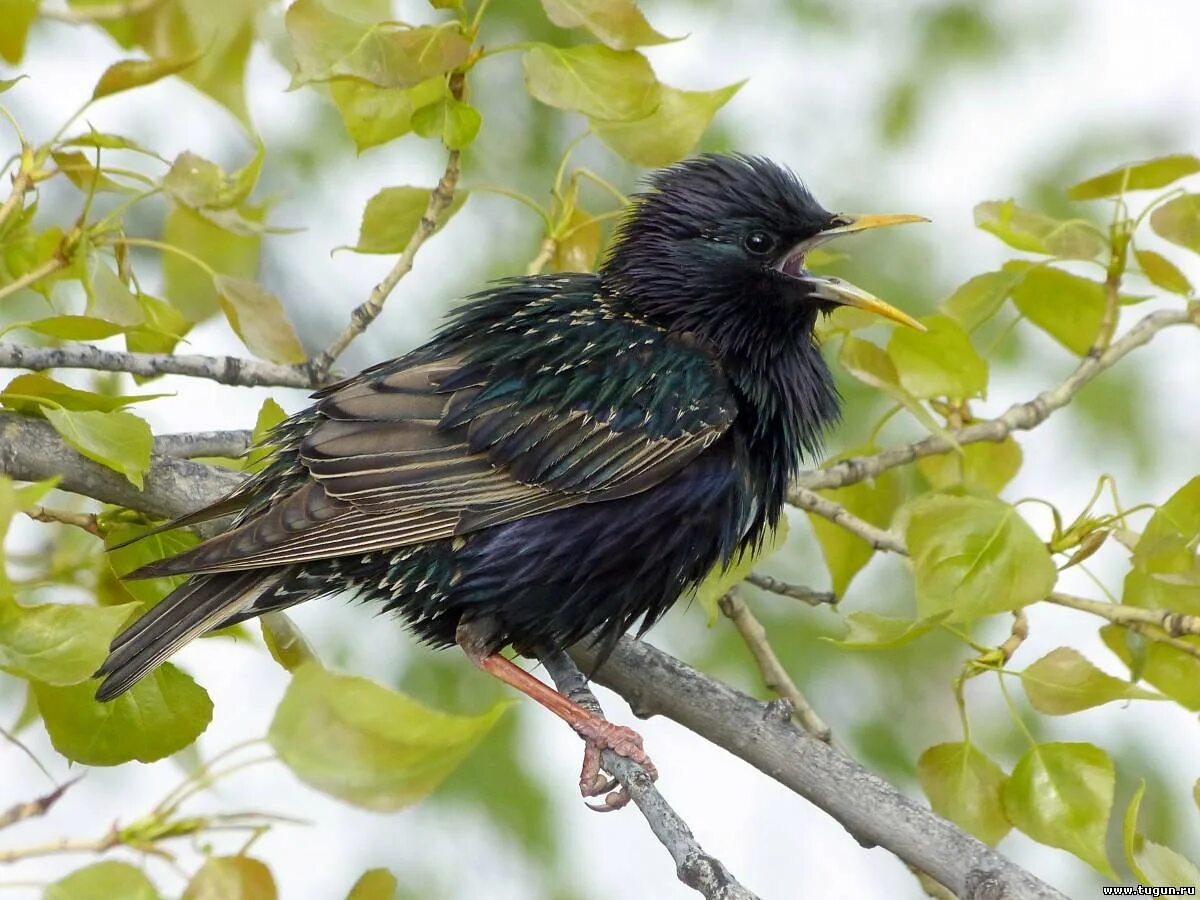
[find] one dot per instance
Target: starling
(568, 455)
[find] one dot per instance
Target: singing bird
(567, 456)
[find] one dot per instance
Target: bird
(564, 459)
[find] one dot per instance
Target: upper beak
(835, 290)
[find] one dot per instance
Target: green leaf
(17, 16)
(722, 579)
(868, 631)
(1035, 232)
(9, 83)
(327, 45)
(1166, 567)
(979, 298)
(967, 788)
(1062, 794)
(1174, 672)
(105, 141)
(1140, 176)
(107, 296)
(123, 560)
(393, 215)
(374, 115)
(57, 643)
(202, 185)
(103, 881)
(453, 122)
(1065, 306)
(270, 414)
(188, 287)
(1163, 273)
(974, 556)
(365, 744)
(671, 131)
(231, 878)
(73, 328)
(41, 385)
(1178, 221)
(375, 884)
(257, 316)
(13, 500)
(165, 326)
(579, 248)
(1064, 681)
(939, 362)
(133, 73)
(592, 79)
(158, 716)
(84, 175)
(872, 365)
(985, 466)
(874, 500)
(119, 440)
(617, 23)
(1153, 864)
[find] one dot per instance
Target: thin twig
(34, 808)
(49, 267)
(774, 675)
(545, 253)
(86, 521)
(1016, 637)
(111, 838)
(22, 180)
(1172, 623)
(879, 538)
(795, 591)
(695, 868)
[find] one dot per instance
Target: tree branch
(190, 444)
(695, 867)
(230, 370)
(764, 735)
(795, 591)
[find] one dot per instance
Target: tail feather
(190, 610)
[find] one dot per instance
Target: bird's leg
(598, 733)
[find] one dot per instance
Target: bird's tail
(200, 604)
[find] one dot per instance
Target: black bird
(568, 455)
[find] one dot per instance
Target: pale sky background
(809, 103)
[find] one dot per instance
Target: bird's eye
(759, 243)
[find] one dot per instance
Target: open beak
(834, 290)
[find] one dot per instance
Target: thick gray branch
(765, 736)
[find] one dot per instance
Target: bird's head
(717, 247)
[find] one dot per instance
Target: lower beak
(834, 290)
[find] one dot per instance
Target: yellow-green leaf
(164, 327)
(939, 362)
(374, 115)
(73, 328)
(1064, 681)
(1067, 307)
(978, 299)
(1153, 864)
(24, 391)
(84, 175)
(270, 414)
(671, 131)
(974, 556)
(107, 296)
(1139, 176)
(17, 16)
(1166, 567)
(1163, 273)
(967, 788)
(1062, 794)
(257, 316)
(188, 287)
(231, 878)
(137, 553)
(132, 73)
(365, 744)
(375, 884)
(58, 643)
(983, 466)
(1036, 232)
(1178, 221)
(106, 880)
(592, 79)
(453, 122)
(579, 247)
(618, 23)
(119, 440)
(158, 716)
(392, 216)
(872, 365)
(1174, 672)
(869, 631)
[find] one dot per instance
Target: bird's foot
(600, 735)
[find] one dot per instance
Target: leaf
(365, 744)
(119, 440)
(40, 385)
(453, 122)
(722, 579)
(258, 318)
(617, 23)
(17, 16)
(1178, 221)
(592, 79)
(1065, 306)
(967, 788)
(1166, 567)
(1163, 273)
(375, 884)
(1140, 176)
(1035, 232)
(874, 500)
(393, 215)
(57, 643)
(872, 365)
(188, 287)
(158, 716)
(1062, 794)
(137, 553)
(84, 175)
(579, 247)
(1153, 864)
(73, 328)
(327, 45)
(231, 878)
(868, 631)
(985, 466)
(199, 184)
(374, 115)
(1064, 681)
(979, 298)
(671, 131)
(107, 296)
(105, 141)
(1174, 672)
(7, 84)
(103, 881)
(974, 556)
(132, 73)
(939, 362)
(165, 326)
(270, 414)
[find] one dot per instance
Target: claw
(598, 736)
